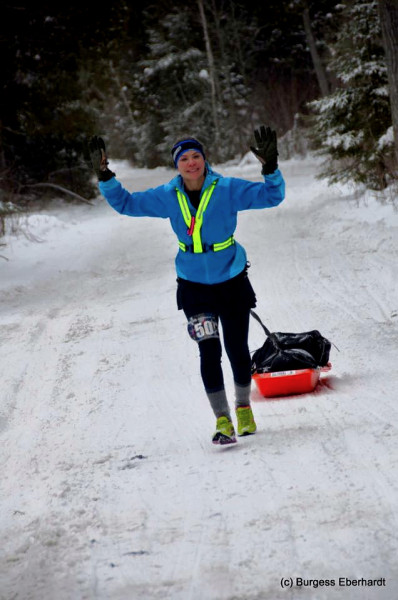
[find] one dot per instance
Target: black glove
(266, 150)
(99, 160)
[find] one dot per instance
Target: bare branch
(61, 189)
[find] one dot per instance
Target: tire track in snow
(358, 290)
(318, 282)
(59, 400)
(350, 455)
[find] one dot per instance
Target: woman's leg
(197, 302)
(212, 376)
(235, 332)
(210, 365)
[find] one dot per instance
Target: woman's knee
(210, 350)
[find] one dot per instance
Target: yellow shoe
(225, 432)
(246, 423)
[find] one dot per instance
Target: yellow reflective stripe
(223, 245)
(205, 201)
(196, 238)
(214, 247)
(186, 213)
(184, 208)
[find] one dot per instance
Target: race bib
(203, 327)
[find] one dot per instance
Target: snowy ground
(110, 487)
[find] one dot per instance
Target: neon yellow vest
(194, 224)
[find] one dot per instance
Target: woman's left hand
(266, 150)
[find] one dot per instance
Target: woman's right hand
(99, 159)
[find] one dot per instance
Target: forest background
(323, 73)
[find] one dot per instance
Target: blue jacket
(219, 220)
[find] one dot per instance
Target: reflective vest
(194, 224)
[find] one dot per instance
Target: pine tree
(350, 125)
(233, 29)
(45, 121)
(170, 96)
(388, 10)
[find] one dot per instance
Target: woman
(213, 286)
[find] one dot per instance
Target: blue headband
(183, 146)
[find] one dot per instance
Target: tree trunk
(121, 90)
(388, 11)
(212, 72)
(316, 59)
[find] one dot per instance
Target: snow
(386, 139)
(111, 489)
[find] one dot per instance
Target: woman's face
(191, 166)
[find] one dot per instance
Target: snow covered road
(110, 487)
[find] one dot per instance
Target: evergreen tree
(232, 28)
(45, 117)
(42, 121)
(388, 10)
(142, 76)
(350, 125)
(171, 93)
(174, 92)
(284, 78)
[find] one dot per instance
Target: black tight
(235, 328)
(230, 303)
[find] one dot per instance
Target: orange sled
(286, 383)
(289, 363)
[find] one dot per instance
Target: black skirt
(233, 295)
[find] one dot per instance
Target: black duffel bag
(290, 351)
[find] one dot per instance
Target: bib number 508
(202, 327)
